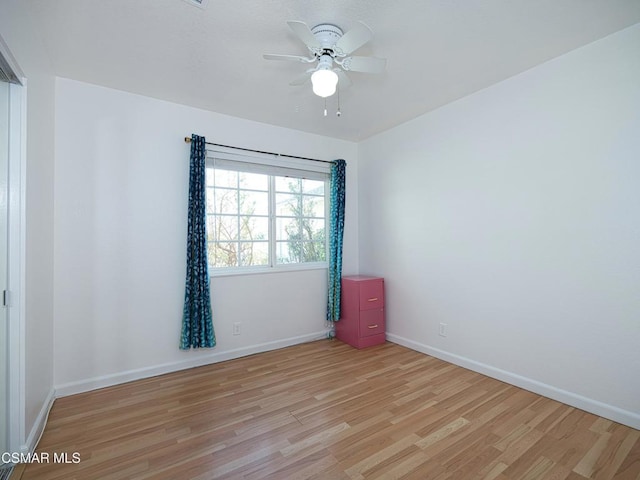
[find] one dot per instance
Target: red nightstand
(361, 321)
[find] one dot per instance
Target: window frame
(272, 166)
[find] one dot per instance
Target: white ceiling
(437, 51)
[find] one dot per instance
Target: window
(263, 216)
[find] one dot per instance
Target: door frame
(16, 266)
(16, 242)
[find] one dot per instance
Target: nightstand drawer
(372, 294)
(371, 322)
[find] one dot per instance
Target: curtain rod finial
(187, 140)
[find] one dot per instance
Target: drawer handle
(374, 299)
(373, 326)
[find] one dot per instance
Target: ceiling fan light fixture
(324, 82)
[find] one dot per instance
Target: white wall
(512, 217)
(23, 39)
(121, 177)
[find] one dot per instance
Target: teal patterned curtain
(197, 323)
(336, 230)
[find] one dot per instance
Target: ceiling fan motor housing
(327, 35)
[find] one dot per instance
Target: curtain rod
(188, 140)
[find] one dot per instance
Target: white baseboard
(626, 417)
(38, 426)
(214, 357)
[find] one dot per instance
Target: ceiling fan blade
(291, 58)
(302, 79)
(304, 33)
(343, 79)
(364, 64)
(353, 39)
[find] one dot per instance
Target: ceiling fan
(330, 50)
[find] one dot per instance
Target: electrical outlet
(236, 328)
(443, 330)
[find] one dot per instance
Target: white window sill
(298, 267)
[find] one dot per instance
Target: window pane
(254, 181)
(315, 187)
(225, 228)
(254, 228)
(210, 199)
(226, 201)
(211, 228)
(312, 206)
(287, 229)
(314, 251)
(254, 203)
(287, 205)
(312, 229)
(288, 184)
(288, 252)
(209, 176)
(254, 253)
(223, 254)
(225, 178)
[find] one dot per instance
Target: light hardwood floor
(324, 410)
